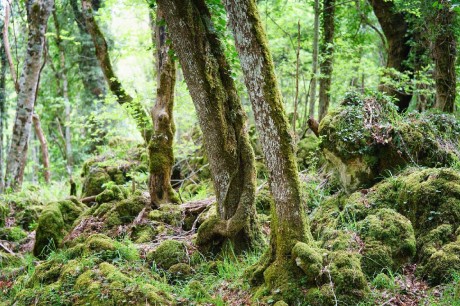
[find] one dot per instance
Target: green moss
(168, 253)
(54, 223)
(112, 193)
(309, 259)
(169, 214)
(386, 233)
(264, 201)
(12, 233)
(94, 182)
(28, 216)
(365, 138)
(441, 264)
(4, 211)
(180, 271)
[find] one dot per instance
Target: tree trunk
(134, 107)
(38, 12)
(314, 70)
(397, 34)
(3, 64)
(327, 53)
(161, 154)
(222, 120)
(288, 224)
(43, 146)
(444, 54)
(65, 95)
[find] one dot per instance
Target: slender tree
(161, 153)
(444, 53)
(288, 224)
(38, 12)
(222, 120)
(314, 70)
(134, 107)
(64, 90)
(3, 66)
(397, 34)
(327, 53)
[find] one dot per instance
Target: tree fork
(223, 122)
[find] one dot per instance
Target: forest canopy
(229, 152)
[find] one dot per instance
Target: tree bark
(43, 146)
(396, 31)
(314, 70)
(222, 120)
(6, 43)
(444, 54)
(65, 95)
(327, 53)
(161, 153)
(102, 53)
(288, 224)
(3, 63)
(38, 12)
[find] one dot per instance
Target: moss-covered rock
(14, 233)
(113, 167)
(168, 213)
(54, 223)
(389, 241)
(309, 259)
(168, 253)
(308, 151)
(365, 137)
(112, 193)
(28, 216)
(441, 265)
(180, 271)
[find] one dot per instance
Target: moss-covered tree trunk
(396, 31)
(222, 120)
(161, 154)
(38, 12)
(444, 55)
(134, 107)
(327, 54)
(289, 225)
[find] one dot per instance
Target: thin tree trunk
(288, 223)
(397, 34)
(43, 146)
(7, 47)
(444, 54)
(65, 95)
(38, 14)
(314, 69)
(161, 153)
(102, 53)
(3, 63)
(327, 53)
(222, 120)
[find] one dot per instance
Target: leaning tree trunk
(288, 225)
(444, 54)
(327, 53)
(134, 107)
(314, 70)
(396, 31)
(222, 120)
(161, 154)
(38, 12)
(43, 147)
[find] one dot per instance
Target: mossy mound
(113, 218)
(95, 272)
(28, 216)
(366, 136)
(169, 214)
(168, 254)
(113, 166)
(13, 233)
(308, 152)
(54, 223)
(405, 218)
